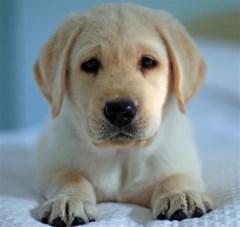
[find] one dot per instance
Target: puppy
(118, 79)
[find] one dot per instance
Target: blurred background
(25, 25)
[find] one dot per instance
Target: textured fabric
(215, 113)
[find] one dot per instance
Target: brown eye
(147, 63)
(91, 66)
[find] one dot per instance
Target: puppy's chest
(117, 179)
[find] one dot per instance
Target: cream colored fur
(78, 166)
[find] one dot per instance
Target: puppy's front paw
(68, 211)
(178, 206)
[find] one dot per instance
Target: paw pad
(58, 222)
(197, 213)
(178, 215)
(78, 221)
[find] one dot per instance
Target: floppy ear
(188, 65)
(51, 66)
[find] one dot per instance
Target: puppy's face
(112, 65)
(118, 79)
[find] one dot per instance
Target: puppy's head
(115, 66)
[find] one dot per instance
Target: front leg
(178, 197)
(72, 201)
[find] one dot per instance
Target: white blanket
(215, 113)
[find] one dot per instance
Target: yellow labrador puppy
(118, 79)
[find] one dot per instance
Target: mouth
(118, 139)
(122, 136)
(119, 136)
(122, 139)
(110, 135)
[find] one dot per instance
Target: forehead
(119, 32)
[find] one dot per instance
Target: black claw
(44, 220)
(58, 222)
(161, 216)
(197, 213)
(92, 220)
(209, 210)
(178, 215)
(78, 221)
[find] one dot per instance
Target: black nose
(120, 112)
